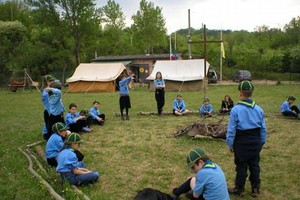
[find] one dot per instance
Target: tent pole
(89, 87)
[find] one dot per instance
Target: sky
(218, 14)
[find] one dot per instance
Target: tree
(11, 36)
(149, 27)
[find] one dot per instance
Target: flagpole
(221, 60)
(170, 45)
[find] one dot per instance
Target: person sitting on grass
(98, 117)
(287, 109)
(206, 109)
(209, 182)
(227, 105)
(179, 107)
(55, 143)
(69, 168)
(76, 122)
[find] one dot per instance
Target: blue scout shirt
(67, 161)
(158, 82)
(211, 182)
(206, 108)
(54, 145)
(70, 118)
(45, 101)
(123, 85)
(246, 115)
(285, 107)
(94, 112)
(179, 105)
(55, 102)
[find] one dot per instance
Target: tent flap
(180, 70)
(97, 72)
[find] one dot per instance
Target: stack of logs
(203, 129)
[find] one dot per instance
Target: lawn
(142, 152)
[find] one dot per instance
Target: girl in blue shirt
(124, 100)
(69, 168)
(159, 85)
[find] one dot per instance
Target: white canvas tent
(180, 75)
(95, 77)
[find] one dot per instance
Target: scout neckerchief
(209, 164)
(247, 102)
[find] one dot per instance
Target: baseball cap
(73, 138)
(59, 126)
(194, 155)
(246, 85)
(49, 78)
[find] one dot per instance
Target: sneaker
(127, 117)
(255, 192)
(122, 117)
(236, 191)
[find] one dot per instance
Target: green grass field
(142, 152)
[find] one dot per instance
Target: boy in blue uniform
(98, 117)
(124, 100)
(288, 110)
(179, 107)
(48, 79)
(246, 134)
(56, 106)
(70, 169)
(209, 182)
(76, 122)
(206, 109)
(55, 143)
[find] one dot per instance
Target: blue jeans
(81, 179)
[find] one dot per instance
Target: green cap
(206, 99)
(292, 98)
(59, 126)
(246, 85)
(49, 78)
(194, 155)
(73, 138)
(179, 95)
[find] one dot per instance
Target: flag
(222, 50)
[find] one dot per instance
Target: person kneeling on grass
(209, 182)
(179, 107)
(69, 168)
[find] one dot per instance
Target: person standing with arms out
(246, 134)
(159, 84)
(124, 100)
